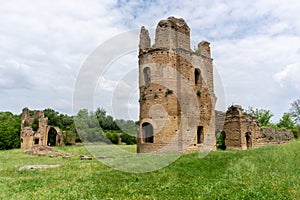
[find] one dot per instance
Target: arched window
(197, 76)
(147, 75)
(147, 132)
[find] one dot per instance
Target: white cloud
(289, 77)
(44, 43)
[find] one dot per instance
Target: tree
(287, 123)
(53, 117)
(295, 110)
(263, 116)
(108, 123)
(9, 130)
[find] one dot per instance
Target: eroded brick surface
(177, 100)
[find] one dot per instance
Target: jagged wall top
(172, 33)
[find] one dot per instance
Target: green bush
(128, 139)
(221, 141)
(113, 137)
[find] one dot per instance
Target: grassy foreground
(271, 172)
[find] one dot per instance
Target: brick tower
(177, 100)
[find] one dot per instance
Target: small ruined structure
(177, 100)
(242, 131)
(36, 131)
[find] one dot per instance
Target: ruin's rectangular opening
(200, 135)
(36, 140)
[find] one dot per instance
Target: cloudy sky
(43, 45)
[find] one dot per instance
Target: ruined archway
(52, 135)
(147, 132)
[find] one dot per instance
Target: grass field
(271, 172)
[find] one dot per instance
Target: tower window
(197, 76)
(147, 75)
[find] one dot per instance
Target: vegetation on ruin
(270, 172)
(169, 91)
(197, 50)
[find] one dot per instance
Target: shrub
(113, 137)
(128, 139)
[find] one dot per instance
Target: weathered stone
(35, 167)
(177, 97)
(242, 131)
(41, 154)
(30, 137)
(68, 156)
(84, 157)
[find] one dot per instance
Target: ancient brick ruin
(36, 131)
(242, 131)
(177, 100)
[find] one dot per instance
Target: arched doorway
(52, 133)
(147, 132)
(248, 139)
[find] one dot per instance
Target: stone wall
(279, 136)
(177, 99)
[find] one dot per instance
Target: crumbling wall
(30, 137)
(242, 131)
(270, 135)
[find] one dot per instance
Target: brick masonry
(177, 100)
(29, 137)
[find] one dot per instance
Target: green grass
(271, 172)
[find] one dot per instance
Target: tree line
(89, 127)
(97, 126)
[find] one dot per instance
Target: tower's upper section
(172, 33)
